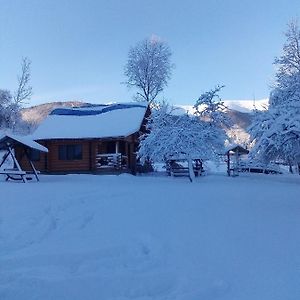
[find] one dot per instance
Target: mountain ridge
(238, 110)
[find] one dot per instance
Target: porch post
(228, 163)
(117, 146)
(16, 163)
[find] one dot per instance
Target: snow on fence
(111, 160)
(257, 167)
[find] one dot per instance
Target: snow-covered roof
(11, 140)
(97, 121)
(236, 148)
(183, 156)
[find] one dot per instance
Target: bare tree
(10, 105)
(148, 68)
(24, 89)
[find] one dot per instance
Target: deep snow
(125, 237)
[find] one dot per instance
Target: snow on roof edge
(25, 140)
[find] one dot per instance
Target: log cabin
(92, 139)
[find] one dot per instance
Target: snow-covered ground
(125, 237)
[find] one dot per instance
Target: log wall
(50, 162)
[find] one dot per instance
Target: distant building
(98, 138)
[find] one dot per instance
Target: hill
(239, 112)
(36, 114)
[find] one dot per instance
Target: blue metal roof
(84, 111)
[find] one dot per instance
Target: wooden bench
(179, 171)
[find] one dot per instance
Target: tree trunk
(191, 170)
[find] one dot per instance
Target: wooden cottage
(98, 139)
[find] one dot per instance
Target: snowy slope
(112, 237)
(36, 114)
(247, 106)
(243, 106)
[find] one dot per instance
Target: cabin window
(70, 152)
(34, 155)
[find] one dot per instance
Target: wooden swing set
(7, 144)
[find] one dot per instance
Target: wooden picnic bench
(176, 168)
(179, 171)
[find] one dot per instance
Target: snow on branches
(276, 132)
(171, 135)
(289, 62)
(211, 107)
(9, 110)
(10, 105)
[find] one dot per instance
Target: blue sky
(79, 48)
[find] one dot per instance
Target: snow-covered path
(125, 237)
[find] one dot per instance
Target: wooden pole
(32, 167)
(228, 164)
(191, 169)
(4, 158)
(16, 164)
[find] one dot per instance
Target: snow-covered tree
(171, 135)
(10, 105)
(9, 110)
(277, 136)
(148, 68)
(276, 132)
(211, 107)
(288, 63)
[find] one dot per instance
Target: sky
(79, 48)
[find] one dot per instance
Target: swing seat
(13, 174)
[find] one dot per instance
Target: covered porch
(115, 155)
